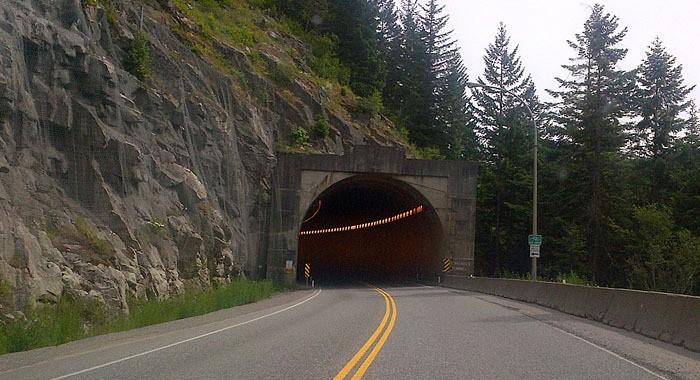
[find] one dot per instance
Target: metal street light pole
(534, 159)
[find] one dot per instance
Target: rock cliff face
(110, 185)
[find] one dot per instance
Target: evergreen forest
(619, 150)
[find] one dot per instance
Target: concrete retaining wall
(670, 318)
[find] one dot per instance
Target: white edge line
(609, 352)
(585, 341)
(186, 340)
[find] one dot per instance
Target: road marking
(189, 339)
(608, 351)
(577, 337)
(386, 325)
(372, 355)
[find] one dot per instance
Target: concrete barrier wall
(670, 318)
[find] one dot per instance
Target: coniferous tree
(389, 50)
(692, 124)
(593, 101)
(425, 89)
(454, 117)
(388, 29)
(355, 23)
(439, 47)
(448, 76)
(662, 98)
(412, 90)
(308, 13)
(684, 171)
(505, 125)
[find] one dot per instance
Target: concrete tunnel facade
(371, 214)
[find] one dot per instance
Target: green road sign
(534, 239)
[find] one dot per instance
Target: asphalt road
(358, 331)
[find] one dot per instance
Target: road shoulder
(12, 361)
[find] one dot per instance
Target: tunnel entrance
(370, 227)
(408, 216)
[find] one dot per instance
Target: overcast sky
(541, 28)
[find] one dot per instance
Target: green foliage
(214, 56)
(663, 257)
(111, 12)
(282, 75)
(573, 278)
(74, 317)
(354, 22)
(325, 61)
(300, 138)
(230, 22)
(371, 104)
(303, 13)
(213, 4)
(591, 113)
(662, 97)
(71, 318)
(516, 276)
(684, 174)
(262, 4)
(109, 7)
(321, 128)
(193, 302)
(156, 228)
(138, 60)
(410, 81)
(153, 229)
(429, 153)
(506, 166)
(403, 134)
(88, 237)
(566, 278)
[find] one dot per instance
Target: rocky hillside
(112, 185)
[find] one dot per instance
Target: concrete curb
(688, 328)
(670, 318)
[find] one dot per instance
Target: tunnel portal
(370, 227)
(357, 215)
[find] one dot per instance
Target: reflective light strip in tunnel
(405, 214)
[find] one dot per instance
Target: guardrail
(671, 318)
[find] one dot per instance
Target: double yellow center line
(385, 326)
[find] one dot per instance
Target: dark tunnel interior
(407, 248)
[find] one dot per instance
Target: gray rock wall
(109, 185)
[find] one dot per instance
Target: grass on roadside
(192, 303)
(73, 318)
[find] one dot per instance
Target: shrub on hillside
(138, 61)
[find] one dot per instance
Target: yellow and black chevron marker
(446, 265)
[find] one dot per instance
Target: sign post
(535, 242)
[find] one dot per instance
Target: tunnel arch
(370, 227)
(448, 189)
